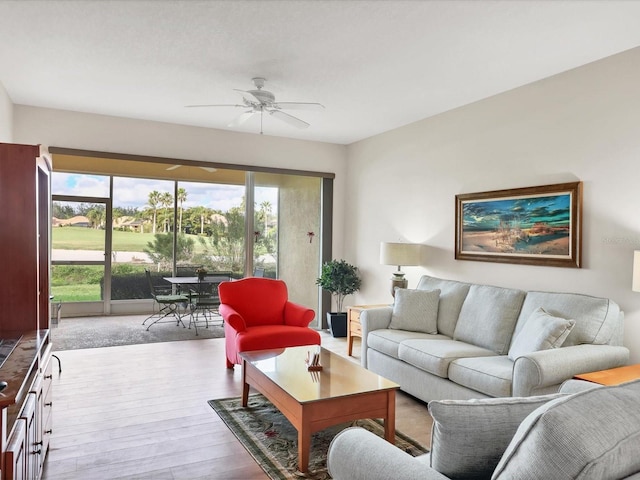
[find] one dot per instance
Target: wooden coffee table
(343, 391)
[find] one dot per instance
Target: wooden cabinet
(25, 219)
(15, 467)
(44, 395)
(354, 327)
(25, 408)
(25, 240)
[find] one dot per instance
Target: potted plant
(201, 272)
(340, 279)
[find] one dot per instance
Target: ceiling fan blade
(240, 119)
(208, 169)
(248, 96)
(290, 119)
(299, 105)
(224, 105)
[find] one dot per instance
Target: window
(113, 218)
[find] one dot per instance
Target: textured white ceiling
(375, 65)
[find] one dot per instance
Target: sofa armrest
(577, 386)
(232, 318)
(372, 319)
(357, 454)
(547, 368)
(297, 315)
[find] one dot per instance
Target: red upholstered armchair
(258, 316)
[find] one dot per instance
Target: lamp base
(398, 281)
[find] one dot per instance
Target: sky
(134, 192)
(487, 214)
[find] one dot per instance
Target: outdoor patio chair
(168, 304)
(204, 300)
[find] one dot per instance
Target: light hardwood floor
(141, 412)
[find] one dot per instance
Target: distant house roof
(77, 221)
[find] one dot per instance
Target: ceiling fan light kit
(259, 101)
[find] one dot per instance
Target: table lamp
(400, 254)
(636, 271)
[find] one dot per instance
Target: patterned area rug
(273, 442)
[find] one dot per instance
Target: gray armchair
(580, 433)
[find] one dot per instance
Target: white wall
(6, 116)
(580, 125)
(140, 137)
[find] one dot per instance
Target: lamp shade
(636, 271)
(399, 254)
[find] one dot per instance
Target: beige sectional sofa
(454, 340)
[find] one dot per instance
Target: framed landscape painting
(532, 226)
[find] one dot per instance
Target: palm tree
(201, 213)
(265, 209)
(166, 200)
(153, 201)
(182, 197)
(95, 216)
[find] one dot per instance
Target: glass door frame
(102, 307)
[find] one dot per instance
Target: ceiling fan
(261, 101)
(206, 169)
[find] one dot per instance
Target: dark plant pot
(337, 324)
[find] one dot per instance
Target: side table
(354, 327)
(612, 376)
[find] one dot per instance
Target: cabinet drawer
(16, 454)
(47, 375)
(355, 328)
(47, 425)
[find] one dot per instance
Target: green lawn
(80, 238)
(76, 293)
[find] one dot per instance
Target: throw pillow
(488, 317)
(469, 436)
(542, 331)
(415, 310)
(592, 434)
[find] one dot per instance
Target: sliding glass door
(80, 256)
(287, 240)
(171, 219)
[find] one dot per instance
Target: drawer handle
(48, 404)
(48, 377)
(37, 452)
(48, 432)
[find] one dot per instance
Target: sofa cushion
(415, 310)
(434, 356)
(592, 434)
(488, 317)
(468, 437)
(597, 319)
(542, 331)
(489, 375)
(388, 341)
(452, 295)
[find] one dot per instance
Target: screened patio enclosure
(113, 216)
